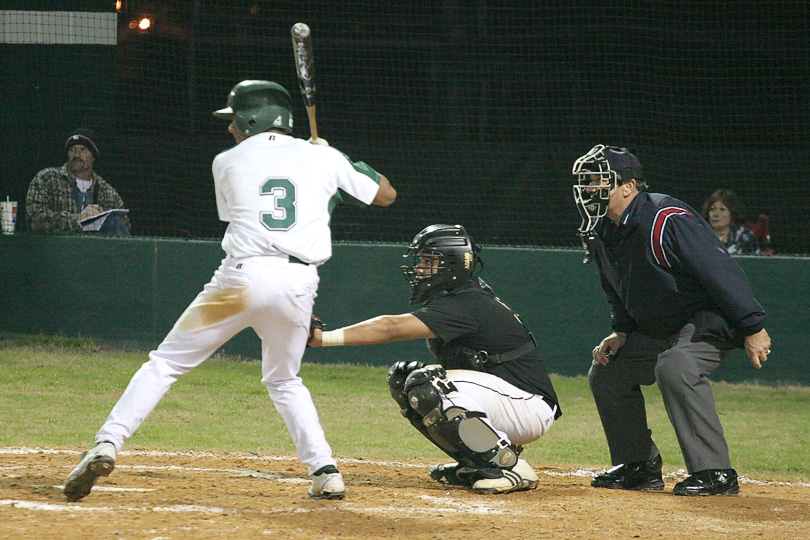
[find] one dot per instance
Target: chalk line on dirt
(582, 472)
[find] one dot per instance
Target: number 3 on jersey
(282, 191)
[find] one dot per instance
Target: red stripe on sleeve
(657, 233)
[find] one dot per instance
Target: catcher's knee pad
(424, 388)
(462, 434)
(397, 375)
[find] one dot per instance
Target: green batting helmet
(257, 106)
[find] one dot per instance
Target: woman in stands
(723, 210)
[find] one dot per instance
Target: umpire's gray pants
(681, 368)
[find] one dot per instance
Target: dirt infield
(212, 496)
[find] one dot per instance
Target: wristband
(332, 338)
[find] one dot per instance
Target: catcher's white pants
(516, 415)
(275, 298)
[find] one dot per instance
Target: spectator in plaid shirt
(59, 198)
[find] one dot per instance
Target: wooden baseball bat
(305, 69)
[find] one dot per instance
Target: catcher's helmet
(596, 174)
(257, 106)
(443, 258)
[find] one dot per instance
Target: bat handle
(313, 126)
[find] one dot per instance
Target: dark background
(475, 110)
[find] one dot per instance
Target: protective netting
(474, 110)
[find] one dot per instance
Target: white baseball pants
(516, 415)
(273, 296)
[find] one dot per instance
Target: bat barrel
(300, 30)
(304, 62)
(305, 68)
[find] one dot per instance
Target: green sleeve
(363, 168)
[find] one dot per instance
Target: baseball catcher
(487, 392)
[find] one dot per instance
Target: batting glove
(319, 141)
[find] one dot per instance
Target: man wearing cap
(60, 198)
(679, 304)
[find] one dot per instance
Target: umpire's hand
(608, 348)
(758, 347)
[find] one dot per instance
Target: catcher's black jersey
(472, 317)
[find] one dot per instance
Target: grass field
(56, 392)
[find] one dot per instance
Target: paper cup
(8, 213)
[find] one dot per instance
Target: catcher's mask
(443, 258)
(257, 106)
(596, 176)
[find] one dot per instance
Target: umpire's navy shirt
(663, 267)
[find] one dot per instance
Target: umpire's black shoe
(709, 482)
(639, 475)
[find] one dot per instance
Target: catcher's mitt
(314, 323)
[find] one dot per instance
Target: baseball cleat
(453, 474)
(521, 477)
(327, 483)
(98, 461)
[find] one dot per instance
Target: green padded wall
(129, 292)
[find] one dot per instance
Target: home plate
(107, 488)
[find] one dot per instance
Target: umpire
(679, 304)
(491, 393)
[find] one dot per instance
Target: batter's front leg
(194, 338)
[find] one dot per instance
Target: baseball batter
(490, 392)
(276, 192)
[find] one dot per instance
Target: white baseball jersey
(286, 211)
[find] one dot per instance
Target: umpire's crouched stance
(491, 393)
(679, 304)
